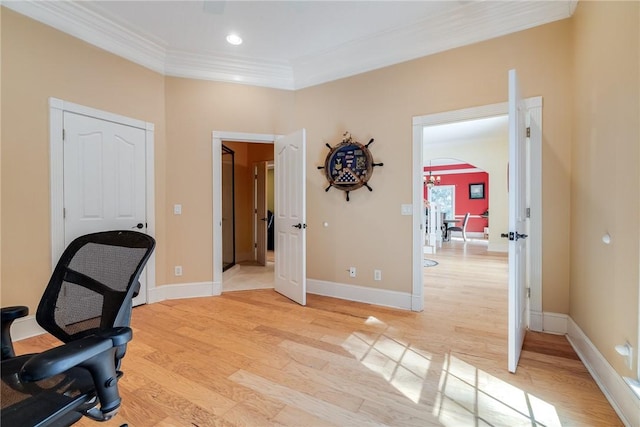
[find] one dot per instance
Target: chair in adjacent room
(462, 229)
(86, 305)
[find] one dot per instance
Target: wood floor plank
(314, 406)
(195, 393)
(291, 416)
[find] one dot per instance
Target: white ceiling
(287, 44)
(463, 132)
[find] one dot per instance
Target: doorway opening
(247, 262)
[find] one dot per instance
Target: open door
(260, 211)
(518, 318)
(290, 217)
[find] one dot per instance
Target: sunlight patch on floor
(402, 366)
(470, 396)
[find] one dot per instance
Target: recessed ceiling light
(234, 39)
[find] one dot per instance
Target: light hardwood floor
(254, 358)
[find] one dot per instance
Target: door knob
(138, 225)
(299, 226)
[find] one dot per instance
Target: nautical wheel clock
(349, 165)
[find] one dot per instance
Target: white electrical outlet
(377, 274)
(352, 272)
(625, 350)
(177, 210)
(177, 270)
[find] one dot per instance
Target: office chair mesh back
(89, 286)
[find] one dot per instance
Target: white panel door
(290, 217)
(518, 319)
(104, 178)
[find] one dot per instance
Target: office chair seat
(53, 400)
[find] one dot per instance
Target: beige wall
(605, 175)
(194, 109)
(382, 103)
(37, 63)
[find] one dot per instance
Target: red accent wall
(463, 203)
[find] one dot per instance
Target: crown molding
(474, 22)
(471, 23)
(231, 69)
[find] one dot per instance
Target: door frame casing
(534, 109)
(217, 137)
(57, 108)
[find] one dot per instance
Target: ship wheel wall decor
(349, 165)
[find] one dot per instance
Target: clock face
(348, 165)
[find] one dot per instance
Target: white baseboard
(550, 323)
(470, 234)
(184, 290)
(616, 390)
(554, 323)
(536, 321)
(25, 327)
(360, 294)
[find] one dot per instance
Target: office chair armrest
(14, 312)
(94, 353)
(60, 359)
(76, 353)
(9, 314)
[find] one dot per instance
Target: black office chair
(87, 305)
(462, 229)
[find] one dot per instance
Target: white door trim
(216, 146)
(534, 107)
(56, 175)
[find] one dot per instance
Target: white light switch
(406, 209)
(177, 209)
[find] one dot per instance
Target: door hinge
(64, 213)
(528, 214)
(528, 132)
(63, 134)
(528, 292)
(255, 245)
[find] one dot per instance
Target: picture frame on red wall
(476, 191)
